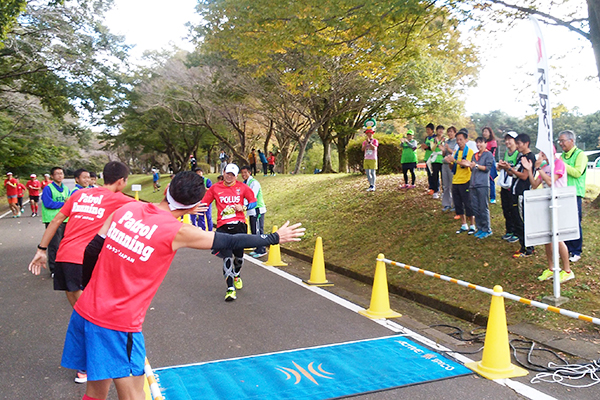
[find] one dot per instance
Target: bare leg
(15, 209)
(130, 388)
(563, 251)
(548, 248)
(73, 296)
(98, 389)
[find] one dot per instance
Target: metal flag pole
(545, 143)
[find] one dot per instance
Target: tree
(322, 52)
(9, 11)
(62, 54)
(58, 62)
(574, 17)
(147, 125)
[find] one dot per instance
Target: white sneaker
(436, 195)
(574, 258)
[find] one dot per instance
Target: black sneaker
(81, 377)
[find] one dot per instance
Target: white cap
(9, 173)
(234, 169)
(512, 134)
(33, 176)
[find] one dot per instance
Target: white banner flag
(544, 139)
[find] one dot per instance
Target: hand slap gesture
(290, 233)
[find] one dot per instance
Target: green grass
(408, 227)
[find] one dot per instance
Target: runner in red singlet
(137, 244)
(229, 196)
(34, 186)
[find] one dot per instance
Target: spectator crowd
(464, 173)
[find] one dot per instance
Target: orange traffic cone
(495, 362)
(317, 272)
(380, 299)
(274, 259)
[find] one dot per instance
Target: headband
(175, 205)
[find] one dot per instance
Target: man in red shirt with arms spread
(34, 186)
(229, 196)
(87, 210)
(130, 257)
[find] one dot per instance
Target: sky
(505, 80)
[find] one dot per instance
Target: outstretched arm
(189, 236)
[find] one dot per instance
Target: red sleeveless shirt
(133, 262)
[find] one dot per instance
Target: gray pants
(257, 226)
(447, 176)
(481, 211)
(371, 176)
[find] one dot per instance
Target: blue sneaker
(485, 235)
(478, 233)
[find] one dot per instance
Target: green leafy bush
(388, 154)
(205, 167)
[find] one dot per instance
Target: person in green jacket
(256, 215)
(576, 162)
(54, 197)
(408, 159)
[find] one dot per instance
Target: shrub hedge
(389, 154)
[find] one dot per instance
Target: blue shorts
(103, 353)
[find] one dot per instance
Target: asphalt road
(189, 322)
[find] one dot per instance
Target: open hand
(290, 233)
(38, 262)
(201, 208)
(526, 163)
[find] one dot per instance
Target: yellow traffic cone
(380, 299)
(147, 392)
(495, 362)
(317, 272)
(248, 231)
(274, 259)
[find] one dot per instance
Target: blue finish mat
(314, 373)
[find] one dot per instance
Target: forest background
(296, 79)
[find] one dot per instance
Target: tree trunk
(283, 159)
(594, 21)
(301, 151)
(342, 143)
(327, 167)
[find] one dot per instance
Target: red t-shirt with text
(10, 189)
(20, 189)
(34, 187)
(134, 260)
(87, 210)
(226, 197)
